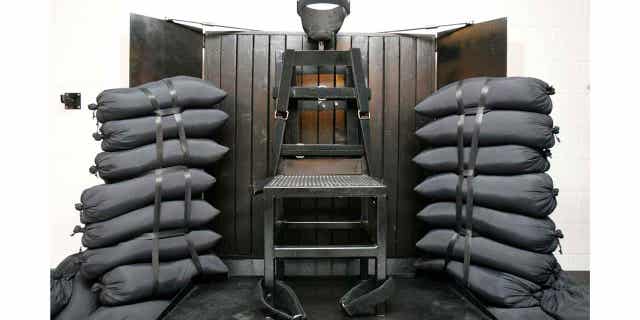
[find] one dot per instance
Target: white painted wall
(547, 39)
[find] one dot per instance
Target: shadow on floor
(237, 299)
(425, 297)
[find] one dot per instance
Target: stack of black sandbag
(147, 231)
(490, 198)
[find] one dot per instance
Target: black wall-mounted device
(71, 100)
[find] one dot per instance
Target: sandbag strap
(187, 200)
(460, 149)
(172, 92)
(184, 147)
(155, 251)
(194, 255)
(469, 174)
(187, 221)
(449, 252)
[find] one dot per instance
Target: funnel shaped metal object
(322, 24)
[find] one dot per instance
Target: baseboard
(311, 267)
(401, 267)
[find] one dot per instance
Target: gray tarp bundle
(131, 133)
(99, 261)
(139, 311)
(512, 93)
(528, 194)
(124, 103)
(82, 302)
(132, 283)
(539, 268)
(498, 160)
(115, 166)
(537, 235)
(106, 201)
(531, 313)
(137, 222)
(61, 282)
(498, 128)
(524, 299)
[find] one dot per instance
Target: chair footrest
(325, 251)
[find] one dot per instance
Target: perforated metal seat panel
(344, 185)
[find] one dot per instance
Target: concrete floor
(420, 298)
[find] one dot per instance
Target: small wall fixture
(71, 100)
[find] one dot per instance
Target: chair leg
(364, 268)
(280, 269)
(381, 239)
(269, 272)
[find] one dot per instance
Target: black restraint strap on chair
(281, 113)
(287, 306)
(362, 299)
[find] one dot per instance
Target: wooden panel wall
(400, 71)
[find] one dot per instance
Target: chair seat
(325, 186)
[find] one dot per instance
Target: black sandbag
(131, 133)
(132, 283)
(125, 103)
(497, 160)
(106, 201)
(531, 313)
(498, 128)
(539, 268)
(137, 222)
(121, 165)
(528, 194)
(511, 93)
(82, 303)
(61, 282)
(149, 310)
(566, 300)
(99, 261)
(495, 288)
(532, 234)
(512, 297)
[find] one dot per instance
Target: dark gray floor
(420, 298)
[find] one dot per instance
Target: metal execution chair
(296, 173)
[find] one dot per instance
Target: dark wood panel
(408, 146)
(476, 50)
(376, 104)
(425, 74)
(425, 86)
(390, 135)
(160, 49)
(224, 190)
(260, 134)
(244, 132)
(212, 61)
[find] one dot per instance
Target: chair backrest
(324, 159)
